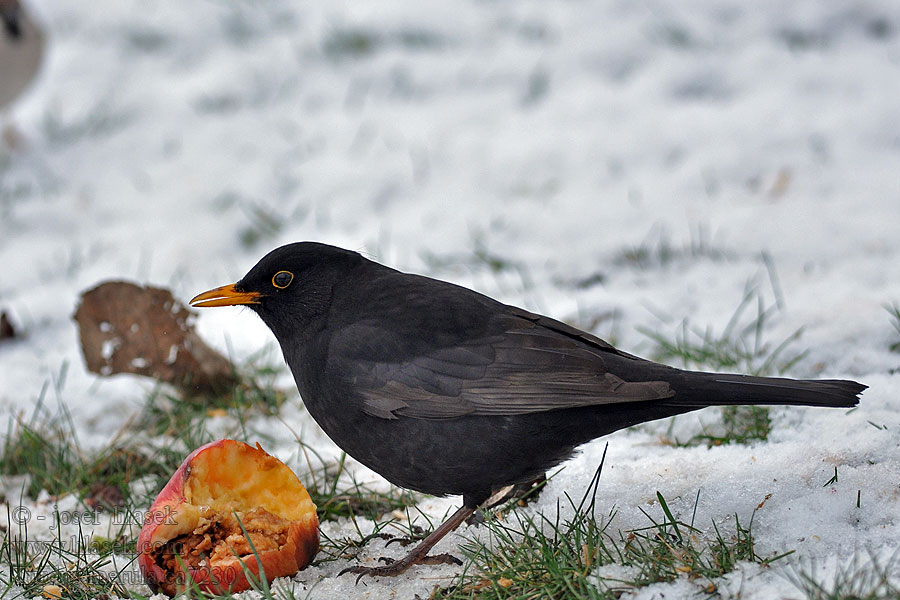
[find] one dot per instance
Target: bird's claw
(395, 567)
(417, 534)
(403, 541)
(440, 559)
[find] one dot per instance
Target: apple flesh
(195, 534)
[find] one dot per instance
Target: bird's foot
(396, 567)
(419, 554)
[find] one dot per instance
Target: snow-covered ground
(175, 143)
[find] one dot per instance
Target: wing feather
(535, 364)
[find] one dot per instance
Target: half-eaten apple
(228, 509)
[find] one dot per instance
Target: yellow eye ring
(282, 279)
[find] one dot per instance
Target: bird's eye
(282, 279)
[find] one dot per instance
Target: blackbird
(22, 45)
(446, 391)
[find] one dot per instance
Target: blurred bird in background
(21, 53)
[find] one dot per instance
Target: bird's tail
(715, 389)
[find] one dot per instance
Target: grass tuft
(47, 451)
(873, 579)
(481, 259)
(50, 455)
(254, 393)
(338, 495)
(100, 120)
(359, 43)
(894, 310)
(660, 252)
(738, 425)
(740, 347)
(562, 557)
(45, 448)
(351, 44)
(74, 564)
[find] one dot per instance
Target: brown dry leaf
(53, 592)
(126, 328)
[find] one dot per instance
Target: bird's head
(11, 17)
(289, 287)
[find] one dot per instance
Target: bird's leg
(520, 491)
(419, 554)
(523, 492)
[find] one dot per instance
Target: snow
(176, 143)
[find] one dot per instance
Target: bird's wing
(533, 364)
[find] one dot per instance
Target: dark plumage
(10, 15)
(22, 44)
(443, 390)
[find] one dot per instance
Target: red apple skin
(170, 497)
(226, 575)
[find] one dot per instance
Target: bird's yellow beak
(226, 295)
